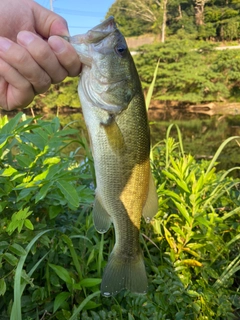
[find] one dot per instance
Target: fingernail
(25, 37)
(57, 44)
(5, 44)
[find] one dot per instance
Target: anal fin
(101, 219)
(151, 206)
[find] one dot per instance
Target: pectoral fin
(114, 135)
(151, 206)
(101, 218)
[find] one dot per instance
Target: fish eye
(121, 49)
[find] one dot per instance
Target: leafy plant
(52, 258)
(197, 206)
(43, 194)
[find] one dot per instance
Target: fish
(115, 114)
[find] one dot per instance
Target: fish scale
(115, 115)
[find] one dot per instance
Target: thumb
(48, 23)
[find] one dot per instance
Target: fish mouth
(81, 42)
(107, 26)
(95, 34)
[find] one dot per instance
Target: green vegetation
(52, 258)
(128, 26)
(186, 34)
(209, 20)
(190, 71)
(59, 96)
(201, 138)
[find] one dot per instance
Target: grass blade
(151, 87)
(82, 305)
(100, 256)
(229, 214)
(218, 152)
(16, 313)
(228, 272)
(74, 255)
(179, 139)
(32, 270)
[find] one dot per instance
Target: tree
(189, 74)
(129, 24)
(199, 11)
(199, 19)
(150, 15)
(164, 19)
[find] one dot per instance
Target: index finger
(66, 55)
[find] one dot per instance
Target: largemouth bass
(115, 114)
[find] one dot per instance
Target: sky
(81, 15)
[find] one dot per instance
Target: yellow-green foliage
(190, 71)
(59, 95)
(52, 258)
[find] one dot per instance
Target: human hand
(29, 63)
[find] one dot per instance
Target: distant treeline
(190, 71)
(217, 20)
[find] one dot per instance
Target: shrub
(52, 258)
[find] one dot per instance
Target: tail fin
(122, 274)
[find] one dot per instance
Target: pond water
(202, 134)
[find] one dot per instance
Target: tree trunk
(199, 11)
(164, 21)
(180, 11)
